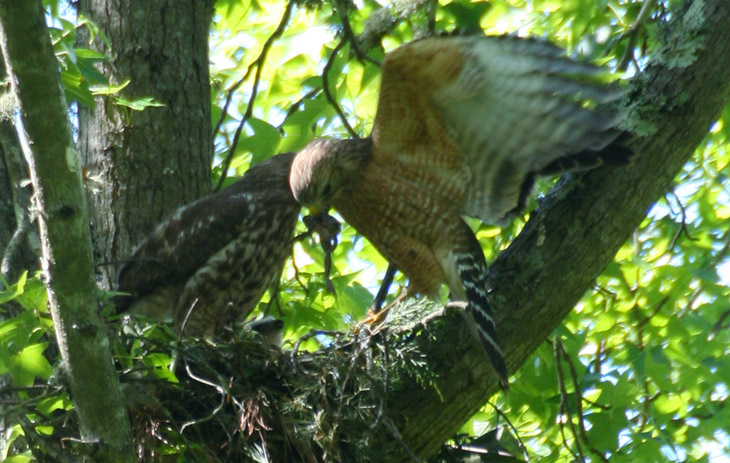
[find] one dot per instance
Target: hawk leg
(384, 287)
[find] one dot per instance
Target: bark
(64, 230)
(16, 234)
(577, 229)
(146, 163)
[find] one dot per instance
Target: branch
(64, 229)
(342, 7)
(326, 87)
(380, 23)
(633, 33)
(17, 254)
(259, 63)
(577, 229)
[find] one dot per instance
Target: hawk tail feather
(614, 154)
(487, 337)
(473, 272)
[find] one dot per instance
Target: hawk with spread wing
(464, 126)
(211, 261)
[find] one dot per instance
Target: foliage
(638, 372)
(205, 401)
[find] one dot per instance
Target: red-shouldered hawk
(464, 126)
(215, 257)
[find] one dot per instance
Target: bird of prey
(464, 126)
(211, 261)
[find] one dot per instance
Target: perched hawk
(464, 126)
(215, 257)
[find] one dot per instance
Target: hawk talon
(455, 306)
(375, 317)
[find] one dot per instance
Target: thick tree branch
(16, 252)
(577, 229)
(64, 229)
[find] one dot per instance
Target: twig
(633, 34)
(718, 324)
(605, 292)
(643, 321)
(394, 432)
(564, 409)
(350, 35)
(382, 398)
(47, 445)
(229, 98)
(221, 390)
(431, 23)
(514, 429)
(579, 404)
(596, 404)
(311, 334)
(325, 87)
(254, 91)
(683, 225)
(296, 268)
(13, 249)
(598, 364)
(185, 320)
(327, 228)
(36, 387)
(295, 106)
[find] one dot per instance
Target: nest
(249, 401)
(246, 400)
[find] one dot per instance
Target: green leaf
(76, 88)
(263, 143)
(605, 429)
(109, 89)
(140, 104)
(467, 16)
(353, 299)
(161, 366)
(15, 290)
(24, 457)
(658, 367)
(48, 405)
(298, 126)
(30, 364)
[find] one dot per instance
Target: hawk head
(323, 168)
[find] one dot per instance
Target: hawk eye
(326, 190)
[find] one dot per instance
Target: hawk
(212, 260)
(464, 126)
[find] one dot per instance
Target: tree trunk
(146, 163)
(64, 230)
(16, 233)
(577, 229)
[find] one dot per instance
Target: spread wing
(480, 117)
